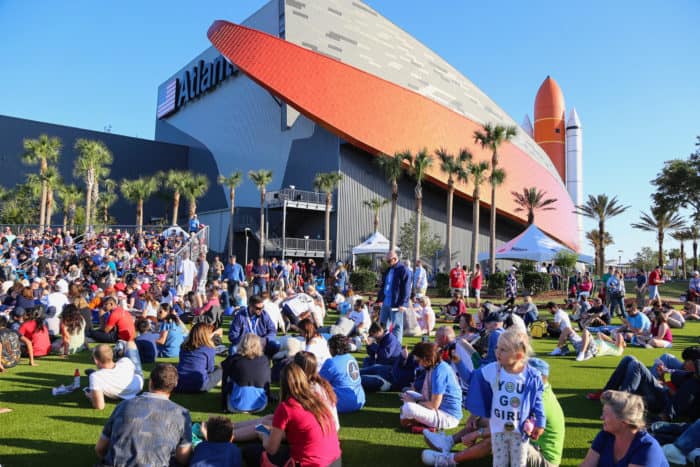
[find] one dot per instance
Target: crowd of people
(125, 298)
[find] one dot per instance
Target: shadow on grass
(46, 452)
(75, 419)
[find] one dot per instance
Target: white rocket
(574, 165)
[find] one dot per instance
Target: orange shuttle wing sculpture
(382, 118)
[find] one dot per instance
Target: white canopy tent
(533, 245)
(376, 244)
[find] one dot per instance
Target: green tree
(431, 242)
(419, 165)
(681, 236)
(678, 183)
(70, 196)
(566, 260)
(93, 157)
(42, 151)
(491, 138)
(660, 222)
(530, 200)
(600, 208)
(645, 259)
(107, 199)
(177, 182)
(197, 186)
(694, 233)
(593, 237)
(137, 192)
(393, 167)
(674, 254)
(456, 169)
(478, 172)
(231, 182)
(20, 205)
(375, 205)
(327, 183)
(261, 178)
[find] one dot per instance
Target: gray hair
(629, 408)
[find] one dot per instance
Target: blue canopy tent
(533, 245)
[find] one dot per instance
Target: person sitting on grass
(686, 448)
(425, 314)
(494, 325)
(476, 435)
(146, 341)
(196, 366)
(168, 425)
(660, 336)
(10, 346)
(343, 373)
(623, 440)
(438, 404)
(217, 449)
(694, 287)
(320, 385)
(255, 319)
(599, 346)
(246, 377)
(455, 308)
(597, 315)
(691, 311)
(670, 402)
(635, 326)
(171, 332)
(315, 343)
(72, 332)
(527, 311)
(562, 323)
(114, 380)
(36, 331)
(384, 350)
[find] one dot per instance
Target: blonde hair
(447, 332)
(629, 408)
(250, 346)
(516, 341)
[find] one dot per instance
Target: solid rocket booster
(574, 164)
(550, 124)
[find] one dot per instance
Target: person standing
(394, 294)
(123, 440)
(420, 279)
(234, 277)
(641, 287)
(476, 284)
(201, 279)
(655, 279)
(188, 271)
(458, 279)
(261, 274)
(511, 287)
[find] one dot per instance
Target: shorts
(477, 293)
(202, 287)
(591, 352)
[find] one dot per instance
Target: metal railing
(292, 194)
(296, 246)
(197, 243)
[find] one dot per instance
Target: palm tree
(660, 221)
(197, 185)
(177, 181)
(393, 168)
(600, 208)
(231, 182)
(70, 196)
(675, 254)
(419, 165)
(376, 205)
(478, 172)
(327, 182)
(261, 178)
(52, 180)
(492, 137)
(593, 238)
(694, 233)
(137, 192)
(108, 198)
(93, 156)
(455, 168)
(682, 236)
(531, 200)
(42, 151)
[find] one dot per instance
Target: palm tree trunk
(193, 207)
(261, 250)
(419, 216)
(49, 207)
(448, 227)
(376, 220)
(475, 229)
(176, 206)
(684, 270)
(74, 208)
(88, 204)
(394, 215)
(65, 220)
(95, 198)
(530, 217)
(42, 207)
(327, 252)
(661, 247)
(695, 254)
(232, 198)
(601, 253)
(492, 230)
(139, 214)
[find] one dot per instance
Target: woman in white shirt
(315, 343)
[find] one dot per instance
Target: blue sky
(629, 67)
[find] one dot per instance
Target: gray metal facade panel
(363, 180)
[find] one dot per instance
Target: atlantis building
(304, 87)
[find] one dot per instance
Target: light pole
(619, 259)
(306, 245)
(246, 244)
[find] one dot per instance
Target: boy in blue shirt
(217, 450)
(343, 372)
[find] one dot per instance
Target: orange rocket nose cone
(550, 100)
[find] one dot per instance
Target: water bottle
(76, 379)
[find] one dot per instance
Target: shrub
(363, 262)
(497, 283)
(527, 266)
(363, 280)
(536, 282)
(442, 283)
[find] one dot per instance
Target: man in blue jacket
(234, 277)
(254, 319)
(394, 295)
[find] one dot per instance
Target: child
(218, 449)
(146, 341)
(514, 391)
(72, 327)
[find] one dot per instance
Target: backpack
(538, 329)
(10, 345)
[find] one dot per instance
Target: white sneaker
(588, 356)
(580, 357)
(694, 455)
(557, 351)
(437, 459)
(673, 454)
(386, 385)
(438, 440)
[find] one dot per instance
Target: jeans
(529, 318)
(392, 319)
(373, 376)
(633, 377)
(615, 302)
(213, 379)
(690, 439)
(259, 287)
(670, 362)
(133, 355)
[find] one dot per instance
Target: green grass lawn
(57, 431)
